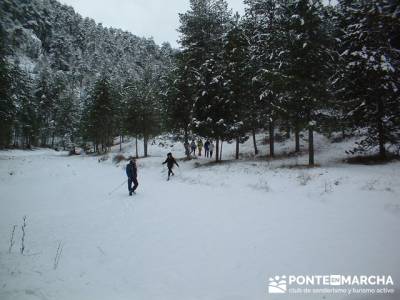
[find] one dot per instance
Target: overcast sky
(148, 18)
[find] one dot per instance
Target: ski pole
(117, 188)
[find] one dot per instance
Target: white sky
(147, 18)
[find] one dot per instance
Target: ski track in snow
(214, 232)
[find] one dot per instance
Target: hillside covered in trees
(51, 59)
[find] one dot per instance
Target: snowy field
(214, 232)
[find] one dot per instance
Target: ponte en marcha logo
(331, 284)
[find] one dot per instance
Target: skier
(193, 147)
(211, 149)
(200, 146)
(207, 148)
(131, 172)
(170, 161)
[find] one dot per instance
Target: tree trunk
(297, 138)
(310, 146)
(120, 143)
(186, 143)
(15, 143)
(220, 150)
(237, 147)
(145, 143)
(381, 131)
(43, 141)
(255, 142)
(288, 130)
(217, 150)
(271, 138)
(136, 146)
(52, 140)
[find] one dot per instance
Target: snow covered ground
(214, 232)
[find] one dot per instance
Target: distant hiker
(211, 149)
(131, 172)
(187, 148)
(170, 161)
(200, 146)
(193, 147)
(207, 148)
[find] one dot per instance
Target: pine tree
(179, 98)
(7, 107)
(304, 63)
(255, 107)
(26, 126)
(143, 107)
(263, 17)
(67, 118)
(44, 96)
(368, 82)
(120, 112)
(203, 28)
(100, 123)
(237, 79)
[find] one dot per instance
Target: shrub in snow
(304, 178)
(23, 229)
(118, 158)
(12, 242)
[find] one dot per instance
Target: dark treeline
(285, 66)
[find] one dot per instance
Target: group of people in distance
(190, 149)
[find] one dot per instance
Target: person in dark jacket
(170, 161)
(207, 148)
(193, 148)
(187, 148)
(131, 172)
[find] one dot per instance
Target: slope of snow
(214, 232)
